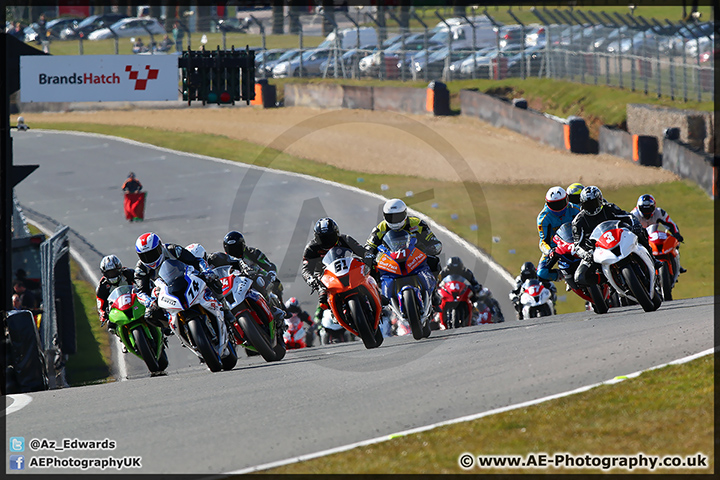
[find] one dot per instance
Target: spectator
(165, 44)
(17, 31)
(41, 30)
(16, 302)
(178, 34)
(138, 46)
(132, 184)
(27, 298)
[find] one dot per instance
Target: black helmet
(327, 232)
(528, 271)
(234, 244)
(455, 262)
(591, 200)
(646, 205)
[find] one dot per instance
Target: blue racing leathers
(548, 221)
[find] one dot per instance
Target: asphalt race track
(193, 421)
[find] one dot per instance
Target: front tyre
(257, 337)
(229, 361)
(358, 318)
(637, 288)
(598, 302)
(413, 315)
(666, 282)
(146, 352)
(197, 330)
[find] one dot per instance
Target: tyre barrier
(641, 149)
(265, 94)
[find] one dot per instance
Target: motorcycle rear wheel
(358, 318)
(637, 288)
(257, 337)
(666, 282)
(199, 336)
(145, 351)
(411, 310)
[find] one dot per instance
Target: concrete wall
(696, 127)
(697, 166)
(642, 149)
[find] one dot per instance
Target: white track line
(468, 418)
(19, 401)
(120, 358)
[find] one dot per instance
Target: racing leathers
(659, 216)
(312, 266)
(548, 221)
(467, 274)
(256, 259)
(582, 227)
(427, 242)
(103, 291)
(145, 275)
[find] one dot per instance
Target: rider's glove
(315, 285)
(103, 320)
(551, 254)
(476, 288)
(678, 236)
(209, 275)
(586, 256)
(270, 277)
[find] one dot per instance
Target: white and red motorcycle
(536, 300)
(196, 316)
(627, 265)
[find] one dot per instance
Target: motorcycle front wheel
(257, 337)
(666, 282)
(637, 288)
(203, 345)
(413, 315)
(145, 351)
(358, 318)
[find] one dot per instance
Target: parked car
(129, 27)
(89, 25)
(435, 62)
(371, 63)
(348, 60)
(52, 29)
(311, 61)
(234, 25)
(269, 65)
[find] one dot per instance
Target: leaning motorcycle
(665, 249)
(353, 295)
(599, 295)
(456, 309)
(626, 264)
(196, 315)
(406, 280)
(145, 341)
(254, 326)
(294, 332)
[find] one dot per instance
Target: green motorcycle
(145, 341)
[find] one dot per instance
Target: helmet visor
(151, 256)
(557, 205)
(327, 239)
(592, 206)
(112, 273)
(395, 217)
(574, 198)
(646, 210)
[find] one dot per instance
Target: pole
(522, 52)
(357, 53)
(425, 41)
(450, 39)
(474, 44)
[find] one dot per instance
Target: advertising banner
(98, 78)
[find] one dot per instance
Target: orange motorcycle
(353, 295)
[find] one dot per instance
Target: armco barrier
(641, 149)
(697, 166)
(571, 134)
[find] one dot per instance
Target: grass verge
(503, 211)
(668, 411)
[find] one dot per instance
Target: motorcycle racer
(152, 253)
(326, 235)
(396, 218)
(594, 211)
(292, 306)
(114, 275)
(556, 212)
(455, 266)
(573, 192)
(648, 213)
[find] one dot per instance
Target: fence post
(425, 44)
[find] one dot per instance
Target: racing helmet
(150, 249)
(455, 263)
(234, 244)
(395, 213)
(197, 250)
(528, 271)
(556, 199)
(646, 205)
(573, 192)
(591, 200)
(292, 302)
(110, 266)
(326, 232)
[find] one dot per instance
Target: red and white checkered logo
(140, 84)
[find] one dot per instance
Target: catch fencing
(664, 59)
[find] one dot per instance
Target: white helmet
(197, 250)
(395, 213)
(111, 267)
(556, 199)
